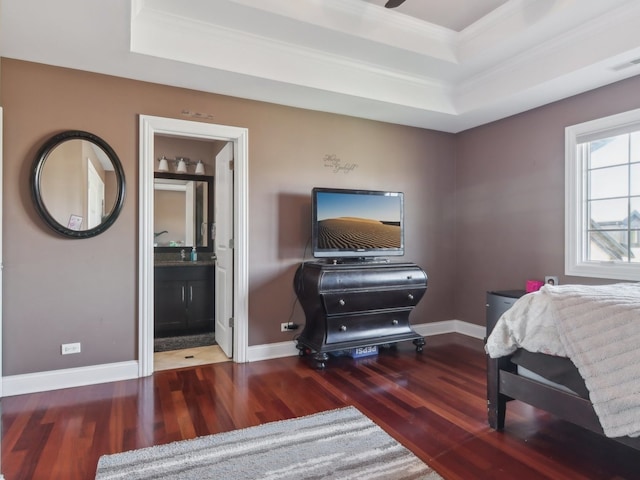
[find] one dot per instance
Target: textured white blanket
(598, 328)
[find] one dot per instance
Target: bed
(573, 351)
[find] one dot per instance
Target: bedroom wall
(58, 290)
(510, 196)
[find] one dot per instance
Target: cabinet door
(170, 305)
(200, 304)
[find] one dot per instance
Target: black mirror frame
(36, 173)
(196, 178)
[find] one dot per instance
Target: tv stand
(357, 304)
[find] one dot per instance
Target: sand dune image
(357, 233)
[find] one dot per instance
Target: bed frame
(504, 384)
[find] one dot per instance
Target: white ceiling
(454, 14)
(442, 64)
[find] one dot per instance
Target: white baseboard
(113, 372)
(450, 326)
(271, 350)
(68, 378)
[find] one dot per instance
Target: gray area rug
(185, 341)
(337, 444)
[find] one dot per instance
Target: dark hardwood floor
(434, 403)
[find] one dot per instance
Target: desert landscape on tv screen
(357, 233)
(347, 222)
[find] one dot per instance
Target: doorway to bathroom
(184, 259)
(227, 231)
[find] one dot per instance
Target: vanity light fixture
(181, 166)
(163, 165)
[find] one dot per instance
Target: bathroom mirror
(77, 183)
(183, 212)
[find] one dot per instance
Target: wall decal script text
(332, 161)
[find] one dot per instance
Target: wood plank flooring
(434, 403)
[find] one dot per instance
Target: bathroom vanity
(184, 298)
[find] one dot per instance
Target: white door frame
(149, 127)
(1, 267)
(1, 247)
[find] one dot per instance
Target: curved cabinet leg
(419, 343)
(321, 360)
(302, 350)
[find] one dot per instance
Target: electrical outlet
(551, 280)
(289, 327)
(67, 348)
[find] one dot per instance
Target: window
(602, 231)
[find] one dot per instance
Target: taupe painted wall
(58, 290)
(510, 196)
(484, 208)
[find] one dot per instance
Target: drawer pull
(394, 322)
(341, 302)
(410, 296)
(343, 328)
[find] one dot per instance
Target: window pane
(609, 182)
(607, 246)
(609, 151)
(634, 236)
(635, 147)
(608, 214)
(635, 179)
(634, 203)
(634, 221)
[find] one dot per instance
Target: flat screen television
(357, 224)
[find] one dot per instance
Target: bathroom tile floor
(188, 357)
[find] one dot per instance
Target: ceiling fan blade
(394, 3)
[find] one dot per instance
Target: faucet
(183, 255)
(156, 235)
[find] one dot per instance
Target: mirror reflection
(182, 212)
(78, 184)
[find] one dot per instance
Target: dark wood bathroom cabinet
(184, 300)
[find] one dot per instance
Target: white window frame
(575, 202)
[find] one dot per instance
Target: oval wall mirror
(77, 183)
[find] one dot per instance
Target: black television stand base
(357, 304)
(320, 359)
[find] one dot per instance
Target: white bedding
(598, 328)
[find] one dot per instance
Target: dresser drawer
(337, 303)
(349, 328)
(365, 277)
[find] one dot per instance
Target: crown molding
(183, 39)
